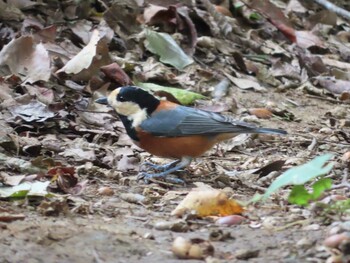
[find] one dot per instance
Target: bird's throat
(130, 130)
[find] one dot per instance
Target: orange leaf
(262, 113)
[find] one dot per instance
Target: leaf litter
(70, 171)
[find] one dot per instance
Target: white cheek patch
(127, 108)
(138, 117)
(131, 110)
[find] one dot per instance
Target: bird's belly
(176, 147)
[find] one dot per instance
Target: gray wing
(183, 121)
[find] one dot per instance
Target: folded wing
(184, 121)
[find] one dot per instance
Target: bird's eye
(121, 98)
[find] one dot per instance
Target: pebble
(176, 226)
(246, 253)
(305, 243)
(105, 190)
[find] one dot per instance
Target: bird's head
(132, 102)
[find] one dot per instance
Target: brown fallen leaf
(261, 113)
(207, 202)
(223, 10)
(7, 217)
(270, 167)
(26, 59)
(117, 74)
(65, 178)
(89, 60)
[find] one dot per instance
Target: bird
(171, 130)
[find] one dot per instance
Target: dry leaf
(26, 59)
(207, 202)
(89, 60)
(262, 113)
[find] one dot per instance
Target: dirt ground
(97, 228)
(57, 57)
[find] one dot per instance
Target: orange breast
(176, 147)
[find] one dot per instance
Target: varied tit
(170, 130)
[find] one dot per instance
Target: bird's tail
(269, 131)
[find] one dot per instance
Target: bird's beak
(102, 100)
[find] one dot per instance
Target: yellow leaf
(208, 202)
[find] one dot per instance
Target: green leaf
(299, 195)
(255, 16)
(167, 49)
(301, 174)
(184, 96)
(25, 189)
(320, 186)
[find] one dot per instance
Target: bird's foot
(166, 170)
(161, 168)
(147, 177)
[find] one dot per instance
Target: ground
(109, 229)
(277, 64)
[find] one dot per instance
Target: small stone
(176, 226)
(335, 230)
(346, 157)
(148, 236)
(345, 225)
(339, 112)
(335, 240)
(230, 220)
(105, 190)
(305, 243)
(246, 253)
(312, 227)
(325, 130)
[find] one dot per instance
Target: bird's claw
(160, 168)
(146, 177)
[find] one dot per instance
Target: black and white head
(132, 102)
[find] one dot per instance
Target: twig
(344, 182)
(327, 99)
(332, 7)
(301, 222)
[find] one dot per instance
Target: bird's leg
(185, 161)
(160, 167)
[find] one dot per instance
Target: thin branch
(332, 7)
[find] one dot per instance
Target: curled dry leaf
(116, 73)
(192, 248)
(65, 178)
(208, 202)
(89, 60)
(223, 10)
